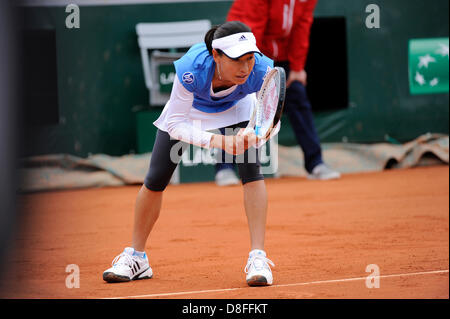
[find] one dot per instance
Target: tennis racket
(269, 106)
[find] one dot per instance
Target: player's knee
(156, 181)
(250, 172)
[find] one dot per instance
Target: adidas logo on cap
(242, 38)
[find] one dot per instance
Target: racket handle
(257, 127)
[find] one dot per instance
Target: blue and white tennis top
(193, 107)
(195, 70)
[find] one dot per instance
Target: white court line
(285, 285)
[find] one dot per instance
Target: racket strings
(268, 103)
(268, 108)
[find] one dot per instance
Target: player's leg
(133, 263)
(165, 158)
(255, 204)
(146, 213)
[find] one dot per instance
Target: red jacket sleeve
(254, 13)
(299, 37)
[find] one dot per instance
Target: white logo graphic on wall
(373, 19)
(188, 77)
(73, 19)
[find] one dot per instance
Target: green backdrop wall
(103, 101)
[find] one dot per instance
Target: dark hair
(223, 30)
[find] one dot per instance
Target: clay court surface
(320, 235)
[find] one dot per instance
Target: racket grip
(257, 127)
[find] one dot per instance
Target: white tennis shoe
(226, 177)
(128, 266)
(258, 269)
(323, 172)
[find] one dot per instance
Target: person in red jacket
(282, 29)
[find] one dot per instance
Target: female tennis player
(215, 88)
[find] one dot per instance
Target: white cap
(236, 45)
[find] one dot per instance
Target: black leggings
(163, 163)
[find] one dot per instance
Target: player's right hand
(238, 144)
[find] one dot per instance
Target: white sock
(140, 254)
(257, 252)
